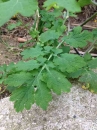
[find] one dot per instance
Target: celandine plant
(48, 66)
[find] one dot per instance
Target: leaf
(70, 5)
(78, 38)
(49, 35)
(42, 95)
(23, 97)
(32, 52)
(94, 34)
(69, 62)
(27, 66)
(83, 3)
(90, 77)
(57, 51)
(77, 73)
(87, 57)
(12, 7)
(18, 79)
(93, 63)
(56, 81)
(13, 25)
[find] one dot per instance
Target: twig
(82, 53)
(87, 26)
(37, 19)
(87, 20)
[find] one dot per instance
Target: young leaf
(18, 79)
(49, 35)
(32, 53)
(69, 62)
(71, 5)
(23, 97)
(78, 38)
(12, 7)
(56, 81)
(90, 77)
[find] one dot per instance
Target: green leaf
(42, 95)
(49, 35)
(94, 34)
(37, 92)
(27, 66)
(69, 62)
(57, 51)
(23, 97)
(93, 64)
(84, 2)
(66, 49)
(18, 79)
(87, 57)
(77, 73)
(78, 38)
(12, 7)
(32, 52)
(13, 25)
(70, 5)
(90, 77)
(56, 81)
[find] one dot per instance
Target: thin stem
(90, 48)
(56, 48)
(94, 15)
(37, 19)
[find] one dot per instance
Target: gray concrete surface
(74, 111)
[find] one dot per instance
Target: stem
(56, 48)
(94, 15)
(90, 48)
(37, 19)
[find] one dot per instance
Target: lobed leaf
(70, 5)
(23, 97)
(69, 62)
(49, 35)
(90, 77)
(32, 52)
(12, 7)
(78, 38)
(27, 66)
(93, 63)
(83, 3)
(56, 81)
(42, 95)
(18, 79)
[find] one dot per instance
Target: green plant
(48, 66)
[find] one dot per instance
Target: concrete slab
(74, 111)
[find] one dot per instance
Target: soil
(9, 46)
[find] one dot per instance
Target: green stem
(56, 48)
